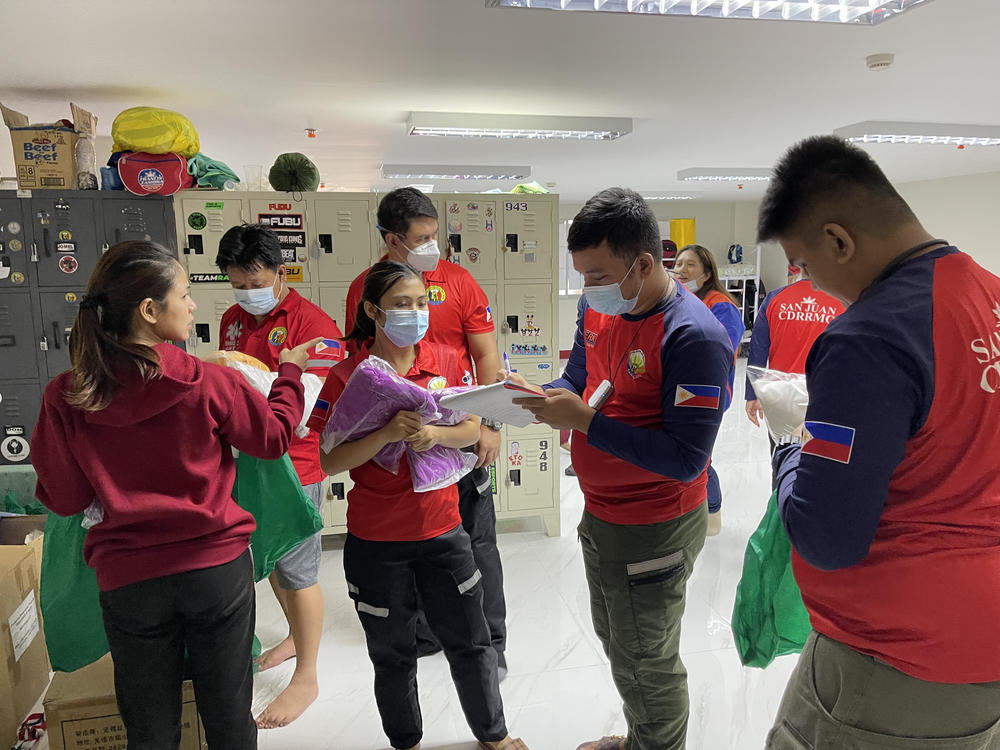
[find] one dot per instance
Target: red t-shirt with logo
(294, 321)
(457, 304)
(382, 506)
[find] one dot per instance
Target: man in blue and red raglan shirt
(891, 494)
(644, 389)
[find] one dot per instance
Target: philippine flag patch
(832, 441)
(320, 409)
(330, 348)
(701, 396)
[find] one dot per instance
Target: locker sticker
(294, 275)
(65, 247)
(65, 235)
(70, 297)
(208, 278)
(473, 253)
(215, 205)
(281, 221)
(14, 227)
(454, 208)
(17, 277)
(454, 227)
(473, 206)
(68, 264)
(197, 221)
(15, 245)
(15, 448)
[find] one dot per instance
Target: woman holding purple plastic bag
(403, 544)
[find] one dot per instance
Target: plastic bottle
(86, 163)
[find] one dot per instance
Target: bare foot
(288, 706)
(277, 655)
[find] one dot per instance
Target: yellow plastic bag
(153, 130)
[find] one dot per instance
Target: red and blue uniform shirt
(457, 306)
(790, 319)
(729, 315)
(382, 506)
(892, 503)
(294, 321)
(644, 458)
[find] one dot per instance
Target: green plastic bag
(71, 609)
(286, 517)
(769, 618)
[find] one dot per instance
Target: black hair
(380, 279)
(622, 218)
(99, 346)
(398, 208)
(249, 247)
(825, 179)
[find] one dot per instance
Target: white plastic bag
(783, 398)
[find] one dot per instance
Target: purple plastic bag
(372, 396)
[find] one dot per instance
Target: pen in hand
(506, 363)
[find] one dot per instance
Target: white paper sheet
(496, 402)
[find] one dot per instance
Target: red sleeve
(353, 298)
(477, 317)
(255, 425)
(328, 396)
(62, 486)
(327, 352)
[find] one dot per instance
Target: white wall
(962, 210)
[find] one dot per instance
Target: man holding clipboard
(644, 389)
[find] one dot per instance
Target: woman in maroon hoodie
(146, 430)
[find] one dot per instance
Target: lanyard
(899, 260)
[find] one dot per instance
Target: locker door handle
(202, 332)
(7, 341)
(515, 477)
(34, 253)
(511, 323)
(326, 243)
(46, 243)
(336, 491)
(55, 335)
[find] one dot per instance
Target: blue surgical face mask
(608, 299)
(405, 327)
(257, 301)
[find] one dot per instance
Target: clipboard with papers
(496, 402)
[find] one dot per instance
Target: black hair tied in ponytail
(100, 348)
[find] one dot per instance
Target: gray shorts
(299, 569)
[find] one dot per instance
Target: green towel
(769, 618)
(74, 628)
(209, 172)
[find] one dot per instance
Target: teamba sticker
(825, 440)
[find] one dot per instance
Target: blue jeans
(714, 491)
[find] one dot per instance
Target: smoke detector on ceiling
(881, 61)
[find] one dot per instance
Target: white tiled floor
(559, 691)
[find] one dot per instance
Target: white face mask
(405, 327)
(424, 257)
(692, 285)
(608, 299)
(257, 301)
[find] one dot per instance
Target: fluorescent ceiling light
(453, 172)
(867, 12)
(668, 195)
(464, 125)
(920, 132)
(724, 175)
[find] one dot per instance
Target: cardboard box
(82, 714)
(24, 662)
(44, 156)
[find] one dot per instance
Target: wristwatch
(490, 424)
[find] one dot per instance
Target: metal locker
(288, 219)
(526, 327)
(18, 342)
(344, 238)
(65, 246)
(335, 491)
(333, 301)
(149, 219)
(14, 246)
(58, 311)
(530, 458)
(212, 303)
(472, 228)
(19, 407)
(526, 245)
(200, 226)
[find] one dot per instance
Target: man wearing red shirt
(460, 318)
(269, 317)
